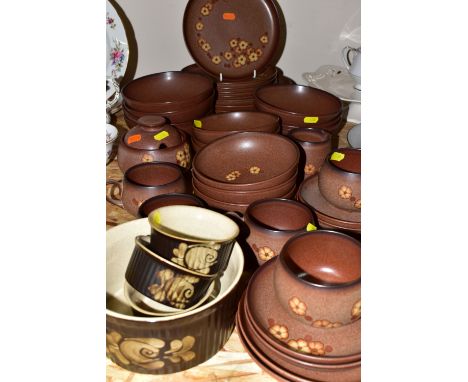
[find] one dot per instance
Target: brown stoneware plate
(232, 37)
(309, 194)
(250, 161)
(276, 322)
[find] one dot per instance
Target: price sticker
(197, 123)
(160, 136)
(310, 227)
(336, 156)
(134, 138)
(311, 119)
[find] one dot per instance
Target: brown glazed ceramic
(318, 276)
(275, 364)
(167, 91)
(153, 140)
(268, 314)
(245, 197)
(144, 181)
(250, 161)
(164, 345)
(196, 238)
(171, 199)
(339, 180)
(216, 126)
(161, 283)
(315, 145)
(232, 37)
(272, 222)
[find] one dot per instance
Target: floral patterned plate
(117, 51)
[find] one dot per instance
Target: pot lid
(152, 132)
(230, 37)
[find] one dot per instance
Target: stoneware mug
(144, 181)
(353, 65)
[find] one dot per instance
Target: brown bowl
(218, 125)
(301, 100)
(318, 274)
(250, 161)
(339, 180)
(144, 181)
(170, 199)
(245, 197)
(167, 91)
(164, 345)
(272, 222)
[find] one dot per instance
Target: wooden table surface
(231, 363)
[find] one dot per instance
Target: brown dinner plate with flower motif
(232, 37)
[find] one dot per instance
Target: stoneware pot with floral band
(315, 145)
(318, 278)
(153, 140)
(195, 238)
(165, 345)
(143, 181)
(160, 284)
(272, 222)
(339, 180)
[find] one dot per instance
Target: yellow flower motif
(265, 253)
(209, 6)
(297, 306)
(300, 345)
(199, 26)
(309, 169)
(206, 47)
(201, 41)
(242, 59)
(254, 170)
(357, 203)
(279, 331)
(325, 324)
(253, 57)
(259, 52)
(228, 55)
(236, 64)
(216, 60)
(345, 192)
(236, 173)
(316, 347)
(205, 11)
(243, 45)
(231, 177)
(238, 50)
(264, 39)
(233, 43)
(356, 310)
(147, 158)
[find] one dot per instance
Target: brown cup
(144, 181)
(318, 274)
(315, 144)
(339, 180)
(272, 222)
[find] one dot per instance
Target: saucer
(310, 194)
(335, 80)
(273, 319)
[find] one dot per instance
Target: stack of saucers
(301, 106)
(335, 192)
(180, 97)
(234, 171)
(310, 328)
(238, 95)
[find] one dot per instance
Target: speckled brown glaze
(218, 125)
(146, 180)
(153, 140)
(315, 144)
(339, 181)
(272, 222)
(341, 344)
(232, 37)
(167, 91)
(155, 345)
(322, 272)
(242, 151)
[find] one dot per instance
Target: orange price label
(229, 16)
(134, 138)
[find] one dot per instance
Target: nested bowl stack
(301, 106)
(167, 344)
(291, 341)
(178, 96)
(250, 169)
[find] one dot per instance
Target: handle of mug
(110, 192)
(345, 56)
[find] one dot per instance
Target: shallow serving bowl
(163, 345)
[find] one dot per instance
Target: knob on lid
(152, 132)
